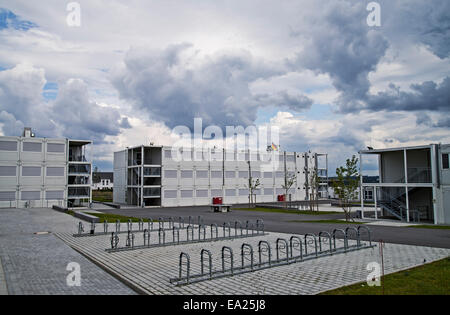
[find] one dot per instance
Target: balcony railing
(79, 192)
(77, 158)
(79, 169)
(152, 171)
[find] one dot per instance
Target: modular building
(414, 183)
(152, 176)
(42, 172)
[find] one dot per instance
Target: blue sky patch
(9, 20)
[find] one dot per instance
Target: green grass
(437, 227)
(102, 195)
(280, 210)
(326, 221)
(114, 217)
(429, 279)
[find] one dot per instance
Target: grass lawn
(437, 227)
(114, 217)
(429, 279)
(280, 210)
(102, 195)
(327, 221)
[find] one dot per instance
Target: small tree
(289, 180)
(346, 184)
(253, 184)
(314, 185)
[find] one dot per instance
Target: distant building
(102, 180)
(152, 176)
(41, 172)
(414, 183)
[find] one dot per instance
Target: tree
(346, 185)
(314, 181)
(289, 180)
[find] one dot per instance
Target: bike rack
(162, 235)
(114, 240)
(259, 226)
(146, 237)
(201, 229)
(280, 247)
(355, 232)
(199, 220)
(190, 231)
(117, 226)
(306, 243)
(141, 224)
(328, 235)
(161, 223)
(244, 254)
(187, 264)
(105, 226)
(92, 228)
(209, 260)
(226, 249)
(175, 232)
(150, 224)
(335, 231)
(80, 228)
(214, 231)
(170, 220)
(129, 225)
(226, 226)
(296, 242)
(287, 253)
(262, 250)
(236, 223)
(368, 233)
(130, 239)
(180, 222)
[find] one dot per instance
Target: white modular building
(414, 182)
(147, 176)
(42, 172)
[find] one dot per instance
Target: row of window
(32, 195)
(32, 146)
(31, 171)
(203, 193)
(445, 162)
(219, 174)
(229, 156)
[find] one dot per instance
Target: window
(267, 174)
(55, 147)
(280, 174)
(170, 194)
(167, 154)
(216, 192)
(243, 174)
(368, 194)
(445, 164)
(8, 145)
(216, 174)
(31, 171)
(202, 174)
(170, 174)
(268, 191)
(186, 193)
(230, 174)
(7, 170)
(202, 193)
(186, 174)
(54, 194)
(230, 192)
(243, 192)
(7, 195)
(31, 195)
(32, 147)
(55, 171)
(256, 174)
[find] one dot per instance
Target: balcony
(419, 175)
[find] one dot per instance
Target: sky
(131, 71)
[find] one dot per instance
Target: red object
(217, 201)
(281, 198)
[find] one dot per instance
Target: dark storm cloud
(175, 85)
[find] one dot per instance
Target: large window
(31, 171)
(8, 145)
(7, 195)
(31, 195)
(170, 173)
(54, 194)
(7, 170)
(56, 147)
(445, 163)
(32, 147)
(55, 171)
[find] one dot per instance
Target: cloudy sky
(133, 70)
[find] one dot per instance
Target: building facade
(42, 172)
(102, 180)
(414, 183)
(152, 176)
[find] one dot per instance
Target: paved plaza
(36, 264)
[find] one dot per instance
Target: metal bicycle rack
(140, 226)
(191, 237)
(287, 252)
